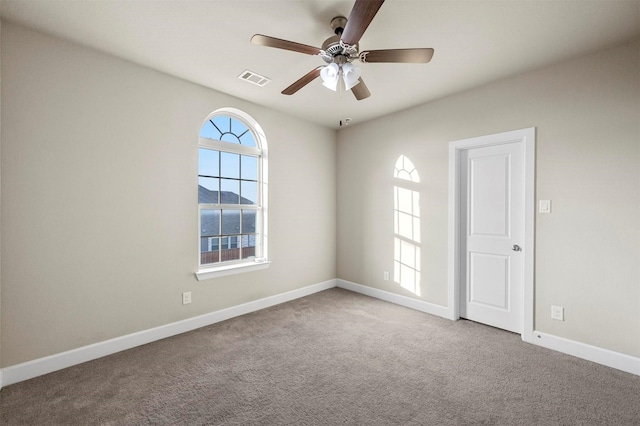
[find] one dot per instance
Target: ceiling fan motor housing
(332, 46)
(334, 50)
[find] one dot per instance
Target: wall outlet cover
(557, 313)
(544, 206)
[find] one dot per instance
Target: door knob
(516, 247)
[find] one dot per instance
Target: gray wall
(586, 112)
(99, 199)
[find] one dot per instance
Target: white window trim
(206, 272)
(228, 147)
(231, 269)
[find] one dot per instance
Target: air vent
(254, 78)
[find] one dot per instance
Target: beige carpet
(334, 358)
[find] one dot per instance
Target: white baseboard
(38, 367)
(612, 359)
(619, 361)
(28, 370)
(408, 302)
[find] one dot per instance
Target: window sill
(236, 268)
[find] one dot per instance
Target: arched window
(232, 196)
(406, 214)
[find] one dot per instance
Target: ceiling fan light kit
(331, 73)
(340, 50)
(329, 76)
(350, 75)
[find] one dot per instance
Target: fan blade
(263, 40)
(359, 19)
(303, 81)
(415, 56)
(360, 90)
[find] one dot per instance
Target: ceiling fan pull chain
(340, 104)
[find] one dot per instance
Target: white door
(492, 235)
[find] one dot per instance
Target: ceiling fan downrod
(337, 25)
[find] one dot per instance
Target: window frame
(260, 261)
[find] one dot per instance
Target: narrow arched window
(232, 194)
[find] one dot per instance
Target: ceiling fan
(340, 50)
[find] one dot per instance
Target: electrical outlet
(186, 297)
(557, 313)
(544, 206)
(386, 275)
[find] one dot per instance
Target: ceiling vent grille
(254, 78)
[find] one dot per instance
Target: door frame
(528, 139)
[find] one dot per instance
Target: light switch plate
(544, 206)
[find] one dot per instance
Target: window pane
(209, 131)
(209, 222)
(230, 222)
(230, 191)
(230, 249)
(229, 242)
(249, 167)
(212, 243)
(248, 140)
(209, 250)
(230, 165)
(222, 123)
(208, 162)
(208, 190)
(248, 246)
(248, 221)
(249, 192)
(230, 254)
(238, 127)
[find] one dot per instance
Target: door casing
(527, 138)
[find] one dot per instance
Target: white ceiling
(207, 42)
